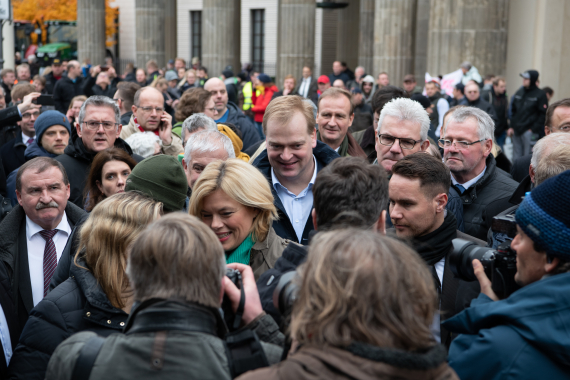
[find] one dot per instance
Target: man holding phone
(149, 116)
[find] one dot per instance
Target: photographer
(364, 311)
(176, 269)
(527, 334)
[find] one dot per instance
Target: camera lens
(285, 293)
(462, 256)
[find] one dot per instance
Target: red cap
(323, 79)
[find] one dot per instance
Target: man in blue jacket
(291, 162)
(527, 335)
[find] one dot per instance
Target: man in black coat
(485, 189)
(90, 140)
(418, 196)
(497, 97)
(474, 100)
(291, 162)
(528, 110)
(103, 83)
(54, 75)
(68, 87)
(347, 192)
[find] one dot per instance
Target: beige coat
(173, 149)
(265, 253)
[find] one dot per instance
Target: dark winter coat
(249, 134)
(90, 88)
(526, 336)
(78, 304)
(50, 82)
(7, 93)
(520, 167)
(528, 110)
(501, 105)
(484, 106)
(65, 90)
(77, 162)
(283, 226)
(488, 197)
(12, 154)
(363, 118)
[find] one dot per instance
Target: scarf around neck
(435, 245)
(242, 253)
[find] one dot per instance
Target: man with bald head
(68, 87)
(229, 112)
(149, 116)
(474, 100)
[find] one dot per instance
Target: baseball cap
(323, 79)
(56, 61)
(170, 75)
(525, 75)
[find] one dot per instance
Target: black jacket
(126, 118)
(363, 118)
(520, 167)
(7, 92)
(501, 105)
(528, 110)
(9, 310)
(77, 162)
(484, 106)
(90, 88)
(9, 116)
(14, 257)
(488, 197)
(12, 154)
(249, 133)
(50, 82)
(283, 226)
(65, 90)
(78, 304)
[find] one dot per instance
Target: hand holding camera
(252, 307)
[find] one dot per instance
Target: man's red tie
(50, 257)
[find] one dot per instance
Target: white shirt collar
(469, 183)
(26, 138)
(32, 228)
(275, 181)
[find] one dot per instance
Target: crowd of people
(167, 224)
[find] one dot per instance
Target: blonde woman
(364, 310)
(97, 297)
(235, 201)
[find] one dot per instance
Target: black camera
(285, 293)
(232, 319)
(500, 264)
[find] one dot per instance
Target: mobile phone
(104, 68)
(44, 100)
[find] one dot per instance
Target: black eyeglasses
(443, 143)
(404, 143)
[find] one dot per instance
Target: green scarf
(343, 149)
(241, 254)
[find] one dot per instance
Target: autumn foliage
(65, 10)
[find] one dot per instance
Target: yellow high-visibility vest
(247, 94)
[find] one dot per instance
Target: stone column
(170, 42)
(221, 35)
(394, 22)
(348, 29)
(295, 37)
(91, 31)
(149, 21)
(421, 40)
(474, 31)
(366, 36)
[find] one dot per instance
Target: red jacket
(260, 102)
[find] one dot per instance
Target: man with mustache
(32, 238)
(485, 189)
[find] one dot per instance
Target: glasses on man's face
(212, 110)
(460, 145)
(404, 143)
(28, 115)
(149, 109)
(94, 125)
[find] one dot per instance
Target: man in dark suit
(34, 234)
(418, 195)
(307, 85)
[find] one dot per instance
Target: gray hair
(196, 122)
(486, 125)
(143, 143)
(466, 65)
(554, 163)
(406, 109)
(547, 144)
(208, 142)
(99, 101)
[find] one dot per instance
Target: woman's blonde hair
(111, 227)
(241, 182)
(185, 79)
(360, 286)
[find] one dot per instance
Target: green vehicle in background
(47, 53)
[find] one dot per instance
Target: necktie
(50, 257)
(30, 141)
(460, 188)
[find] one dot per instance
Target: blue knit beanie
(544, 215)
(48, 119)
(264, 78)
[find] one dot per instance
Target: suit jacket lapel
(24, 282)
(448, 295)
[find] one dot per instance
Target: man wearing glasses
(485, 189)
(149, 116)
(98, 128)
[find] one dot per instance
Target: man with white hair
(196, 123)
(485, 189)
(202, 148)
